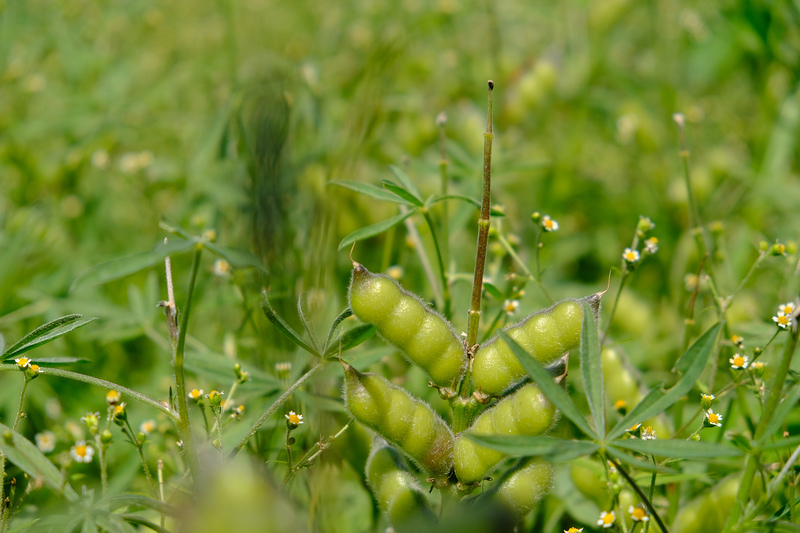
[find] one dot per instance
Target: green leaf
(781, 443)
(523, 446)
(592, 370)
(374, 229)
(125, 266)
(237, 258)
(491, 289)
(656, 401)
(30, 460)
(283, 327)
(342, 316)
(112, 503)
(678, 448)
(58, 360)
(438, 198)
(373, 191)
(402, 193)
(553, 391)
(46, 333)
(404, 180)
(635, 461)
(780, 414)
(351, 339)
(171, 227)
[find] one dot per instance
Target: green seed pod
(406, 422)
(526, 412)
(546, 335)
(425, 337)
(520, 491)
(397, 491)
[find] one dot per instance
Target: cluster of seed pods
(411, 426)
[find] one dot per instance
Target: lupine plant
(508, 405)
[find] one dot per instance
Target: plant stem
(103, 384)
(442, 276)
(625, 275)
(101, 448)
(5, 512)
(184, 428)
(443, 173)
(483, 230)
(753, 460)
(514, 257)
(274, 407)
(641, 494)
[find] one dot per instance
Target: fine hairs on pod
(546, 335)
(408, 423)
(424, 336)
(527, 412)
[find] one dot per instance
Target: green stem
(21, 403)
(514, 257)
(443, 173)
(442, 276)
(483, 231)
(641, 494)
(652, 491)
(625, 276)
(103, 384)
(103, 465)
(753, 460)
(5, 512)
(274, 407)
(184, 428)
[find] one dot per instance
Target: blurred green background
(233, 116)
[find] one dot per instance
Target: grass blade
(553, 391)
(592, 370)
(46, 333)
(656, 402)
(375, 229)
(678, 448)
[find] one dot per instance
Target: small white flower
(82, 452)
(787, 308)
(46, 441)
(648, 433)
(630, 256)
(294, 418)
(713, 419)
(638, 514)
(738, 362)
(651, 245)
(782, 320)
(607, 519)
(510, 306)
(147, 427)
(548, 224)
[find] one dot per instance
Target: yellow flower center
(80, 451)
(738, 361)
(608, 519)
(294, 418)
(620, 404)
(23, 362)
(638, 514)
(713, 418)
(784, 320)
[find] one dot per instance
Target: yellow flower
(738, 362)
(573, 530)
(713, 419)
(82, 452)
(548, 224)
(112, 397)
(23, 363)
(294, 419)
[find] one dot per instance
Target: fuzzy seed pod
(399, 494)
(546, 335)
(520, 491)
(425, 337)
(527, 412)
(406, 422)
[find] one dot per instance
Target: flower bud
(706, 401)
(106, 437)
(777, 249)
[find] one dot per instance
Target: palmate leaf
(554, 449)
(125, 266)
(656, 401)
(375, 229)
(592, 370)
(405, 181)
(379, 193)
(677, 448)
(351, 339)
(283, 327)
(551, 390)
(401, 192)
(46, 333)
(30, 460)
